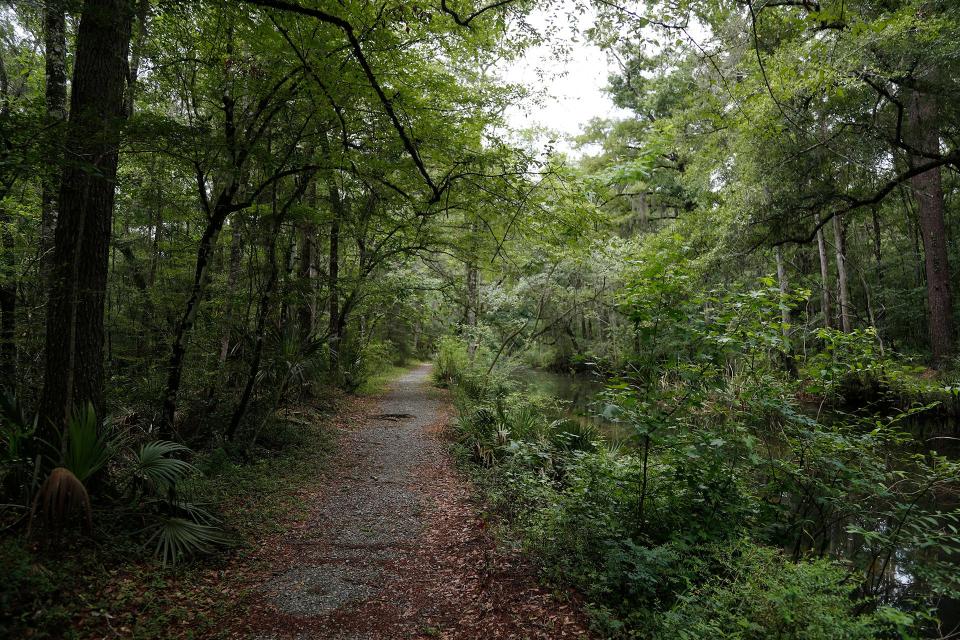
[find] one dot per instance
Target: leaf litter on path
(391, 547)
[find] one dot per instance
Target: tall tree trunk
(143, 9)
(55, 60)
(877, 246)
(8, 303)
(333, 287)
(338, 214)
(307, 272)
(216, 217)
(824, 277)
(928, 192)
(233, 276)
(73, 373)
(784, 288)
(470, 307)
(472, 293)
(8, 270)
(840, 246)
(201, 280)
(264, 308)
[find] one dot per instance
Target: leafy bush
(849, 367)
(451, 361)
(89, 446)
(681, 531)
(755, 593)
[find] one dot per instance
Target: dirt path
(392, 547)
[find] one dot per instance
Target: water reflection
(579, 396)
(890, 578)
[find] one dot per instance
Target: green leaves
(154, 466)
(88, 447)
(178, 537)
(179, 528)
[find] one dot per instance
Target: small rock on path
(392, 548)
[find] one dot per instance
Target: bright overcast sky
(574, 88)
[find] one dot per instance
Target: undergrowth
(100, 583)
(718, 517)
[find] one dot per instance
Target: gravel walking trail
(392, 546)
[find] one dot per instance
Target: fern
(182, 528)
(574, 435)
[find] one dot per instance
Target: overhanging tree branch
(361, 57)
(853, 203)
(465, 22)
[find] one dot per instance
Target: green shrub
(451, 360)
(359, 360)
(757, 593)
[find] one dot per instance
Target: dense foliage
(217, 216)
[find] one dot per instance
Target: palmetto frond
(178, 537)
(154, 465)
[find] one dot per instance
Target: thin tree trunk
(824, 278)
(333, 286)
(840, 246)
(55, 60)
(265, 305)
(472, 293)
(178, 349)
(928, 192)
(143, 9)
(8, 271)
(784, 288)
(8, 303)
(216, 217)
(74, 351)
(338, 213)
(877, 246)
(307, 272)
(470, 319)
(232, 277)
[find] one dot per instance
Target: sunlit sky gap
(572, 89)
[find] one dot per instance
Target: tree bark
(74, 350)
(8, 303)
(470, 308)
(784, 288)
(338, 213)
(333, 286)
(928, 193)
(143, 9)
(877, 245)
(55, 61)
(307, 272)
(8, 271)
(233, 276)
(201, 279)
(473, 292)
(840, 246)
(824, 278)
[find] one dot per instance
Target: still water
(581, 399)
(579, 395)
